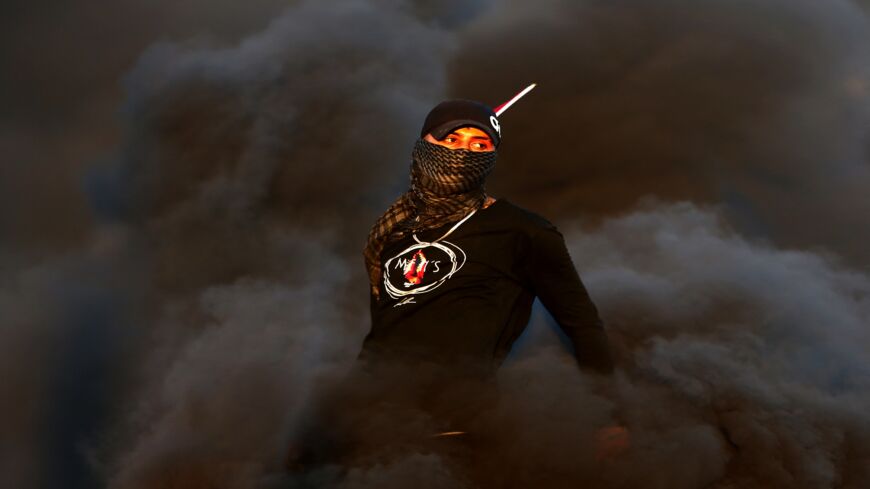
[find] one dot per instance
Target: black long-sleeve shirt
(468, 297)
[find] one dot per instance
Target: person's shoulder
(522, 216)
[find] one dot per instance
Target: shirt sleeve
(557, 284)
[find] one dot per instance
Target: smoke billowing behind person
(217, 287)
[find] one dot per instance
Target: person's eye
(450, 139)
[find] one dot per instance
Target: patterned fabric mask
(446, 184)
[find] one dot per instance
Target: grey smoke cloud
(760, 105)
(60, 95)
(217, 411)
(257, 163)
(206, 189)
(213, 297)
(281, 128)
(771, 346)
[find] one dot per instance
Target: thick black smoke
(253, 166)
(762, 105)
(181, 328)
(60, 97)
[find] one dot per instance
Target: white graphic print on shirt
(421, 268)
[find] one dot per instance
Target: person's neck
(488, 202)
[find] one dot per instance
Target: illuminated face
(470, 138)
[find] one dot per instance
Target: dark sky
(187, 187)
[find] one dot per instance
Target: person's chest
(482, 254)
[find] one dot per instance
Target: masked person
(453, 273)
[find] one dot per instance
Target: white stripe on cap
(503, 107)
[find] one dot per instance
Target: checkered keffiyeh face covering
(446, 184)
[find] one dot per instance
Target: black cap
(453, 114)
